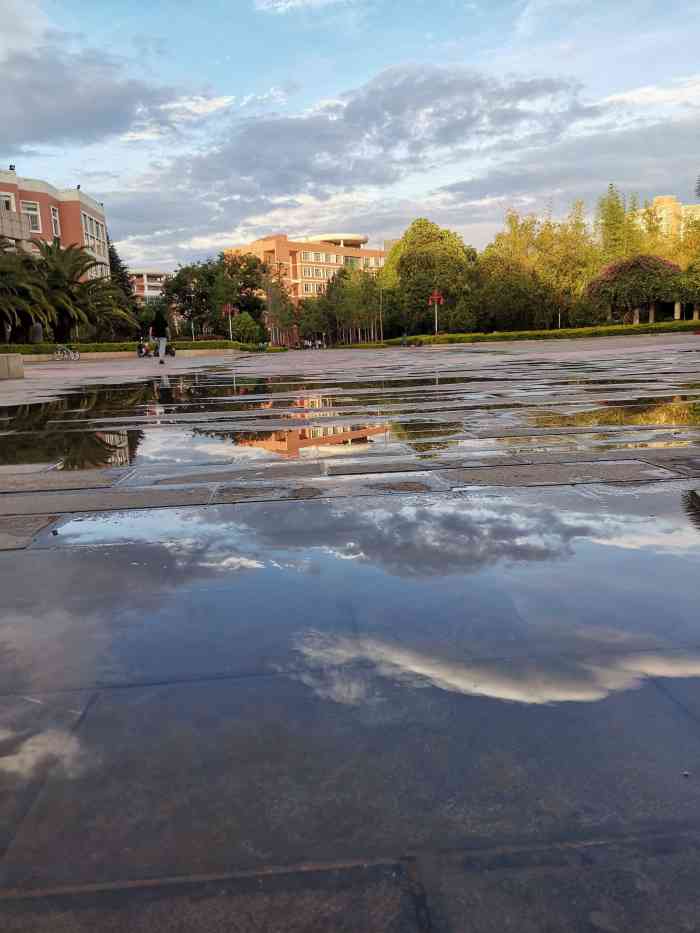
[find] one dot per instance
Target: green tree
(120, 278)
(245, 329)
(74, 297)
(512, 297)
(425, 258)
(23, 301)
(633, 283)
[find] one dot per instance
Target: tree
(189, 293)
(427, 257)
(74, 298)
(280, 315)
(203, 292)
(512, 297)
(463, 318)
(634, 282)
(23, 300)
(119, 275)
(245, 329)
(618, 224)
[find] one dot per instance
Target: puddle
(516, 595)
(217, 415)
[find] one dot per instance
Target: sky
(206, 125)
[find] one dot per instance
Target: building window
(31, 210)
(307, 257)
(308, 288)
(318, 257)
(307, 272)
(351, 261)
(365, 262)
(55, 222)
(94, 234)
(318, 272)
(329, 258)
(7, 201)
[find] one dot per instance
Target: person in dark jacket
(161, 331)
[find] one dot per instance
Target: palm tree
(22, 297)
(76, 297)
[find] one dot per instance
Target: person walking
(161, 332)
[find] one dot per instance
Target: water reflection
(587, 676)
(680, 411)
(457, 592)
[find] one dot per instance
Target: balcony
(14, 226)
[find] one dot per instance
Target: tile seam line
(43, 782)
(361, 495)
(674, 700)
(185, 680)
(308, 867)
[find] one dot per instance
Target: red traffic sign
(436, 298)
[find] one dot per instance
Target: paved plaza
(392, 640)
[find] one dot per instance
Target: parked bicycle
(65, 353)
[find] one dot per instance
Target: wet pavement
(401, 640)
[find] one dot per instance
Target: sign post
(436, 299)
(228, 311)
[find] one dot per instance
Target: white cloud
(590, 675)
(23, 25)
(287, 6)
(53, 746)
(193, 107)
(681, 92)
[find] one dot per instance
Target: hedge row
(130, 347)
(612, 330)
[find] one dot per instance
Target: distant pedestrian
(161, 332)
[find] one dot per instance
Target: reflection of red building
(290, 443)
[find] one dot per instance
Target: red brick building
(306, 265)
(31, 209)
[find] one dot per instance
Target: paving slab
(12, 469)
(231, 776)
(36, 736)
(59, 480)
(257, 587)
(99, 500)
(646, 885)
(374, 899)
(18, 531)
(552, 474)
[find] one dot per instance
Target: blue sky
(202, 125)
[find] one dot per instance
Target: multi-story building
(305, 265)
(147, 284)
(674, 216)
(31, 209)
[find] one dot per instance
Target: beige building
(673, 215)
(147, 284)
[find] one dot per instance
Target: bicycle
(65, 353)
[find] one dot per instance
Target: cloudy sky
(203, 125)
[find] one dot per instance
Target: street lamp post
(436, 299)
(191, 291)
